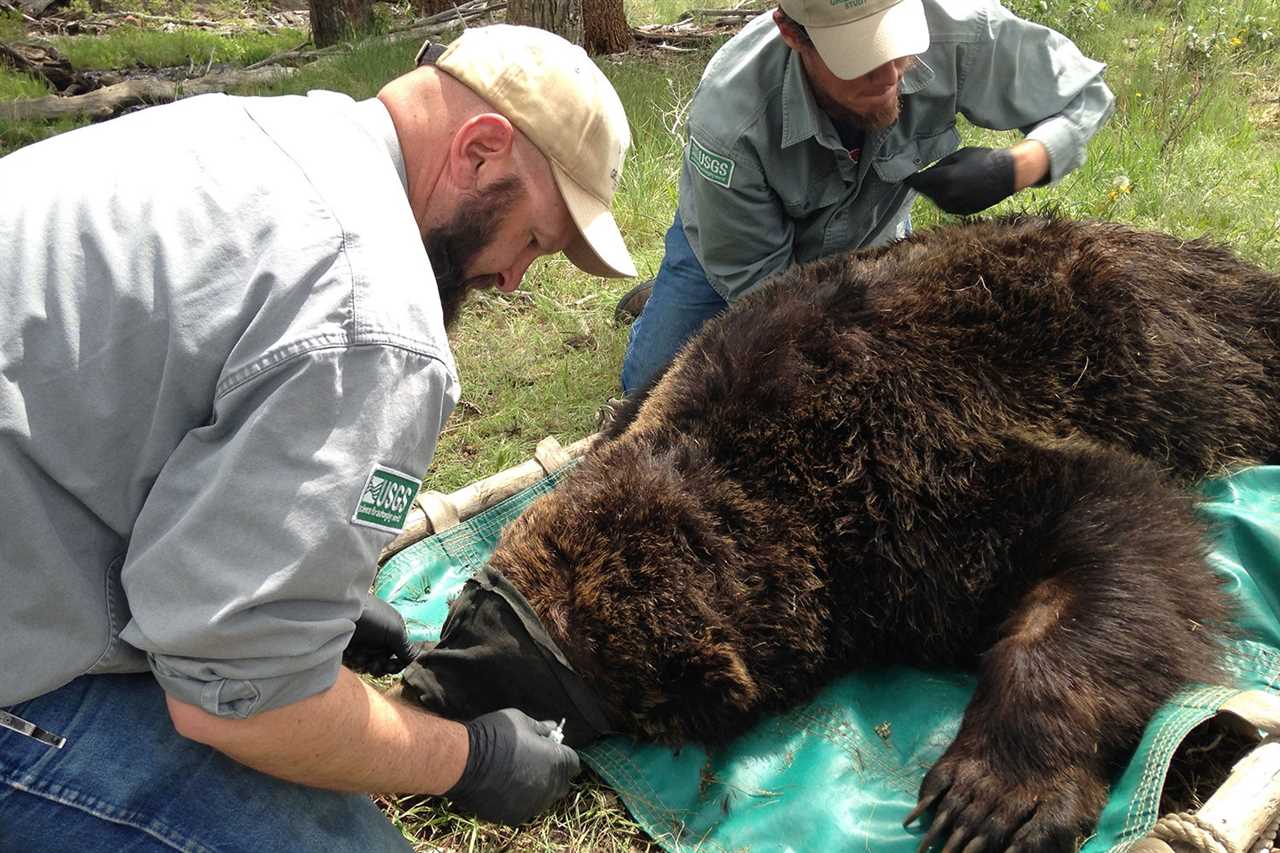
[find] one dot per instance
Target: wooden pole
(434, 512)
(1247, 803)
(1246, 807)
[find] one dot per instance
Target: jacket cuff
(196, 683)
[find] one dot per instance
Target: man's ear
(483, 142)
(789, 35)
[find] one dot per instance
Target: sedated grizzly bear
(970, 448)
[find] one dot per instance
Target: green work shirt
(766, 181)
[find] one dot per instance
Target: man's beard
(881, 118)
(453, 246)
(885, 116)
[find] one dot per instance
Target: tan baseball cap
(552, 91)
(856, 36)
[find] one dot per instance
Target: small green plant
(1256, 34)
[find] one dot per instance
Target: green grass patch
(15, 84)
(12, 26)
(131, 47)
(360, 70)
(1185, 151)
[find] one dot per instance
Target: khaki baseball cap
(856, 36)
(552, 91)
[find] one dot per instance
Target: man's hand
(380, 644)
(514, 769)
(968, 180)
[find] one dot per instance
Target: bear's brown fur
(965, 449)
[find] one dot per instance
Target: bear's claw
(976, 808)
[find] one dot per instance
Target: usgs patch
(713, 167)
(385, 502)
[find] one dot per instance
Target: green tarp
(842, 771)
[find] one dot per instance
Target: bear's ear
(720, 670)
(706, 688)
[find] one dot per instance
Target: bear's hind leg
(1120, 612)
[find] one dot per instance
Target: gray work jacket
(766, 181)
(223, 371)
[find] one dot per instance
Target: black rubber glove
(968, 180)
(380, 644)
(514, 769)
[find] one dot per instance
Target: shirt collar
(803, 119)
(916, 78)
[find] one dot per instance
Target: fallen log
(720, 13)
(667, 36)
(689, 32)
(44, 62)
(162, 19)
(420, 28)
(108, 101)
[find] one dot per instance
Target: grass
(591, 817)
(1193, 149)
(15, 84)
(135, 47)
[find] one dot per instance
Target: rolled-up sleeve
(246, 566)
(735, 223)
(1030, 77)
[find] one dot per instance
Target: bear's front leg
(1117, 611)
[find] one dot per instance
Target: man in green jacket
(814, 128)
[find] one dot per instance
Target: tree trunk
(335, 20)
(604, 25)
(562, 17)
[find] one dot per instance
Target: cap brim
(851, 50)
(599, 248)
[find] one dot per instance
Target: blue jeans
(682, 300)
(127, 781)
